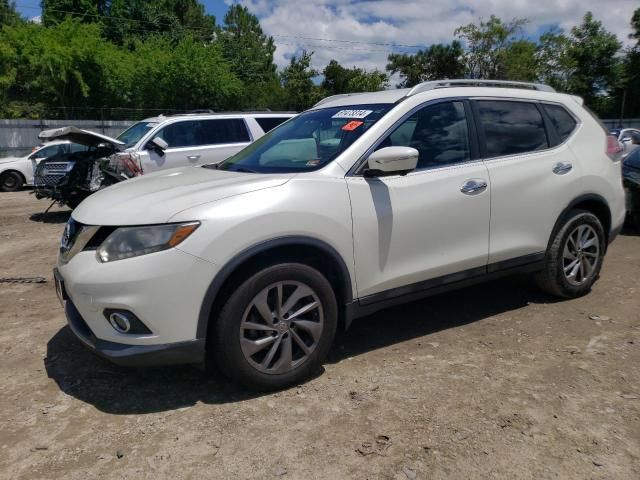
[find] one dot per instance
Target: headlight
(127, 242)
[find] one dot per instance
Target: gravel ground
(493, 381)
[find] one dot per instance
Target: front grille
(51, 174)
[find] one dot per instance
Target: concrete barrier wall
(18, 137)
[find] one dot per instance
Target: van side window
(564, 123)
(179, 134)
(269, 123)
(224, 130)
(439, 133)
(511, 127)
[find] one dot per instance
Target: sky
(363, 32)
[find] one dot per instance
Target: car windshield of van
(306, 142)
(135, 132)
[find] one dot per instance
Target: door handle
(474, 186)
(562, 168)
(193, 158)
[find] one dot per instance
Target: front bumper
(134, 355)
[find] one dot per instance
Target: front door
(431, 223)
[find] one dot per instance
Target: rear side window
(269, 123)
(563, 122)
(511, 127)
(226, 130)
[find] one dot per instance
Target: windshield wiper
(244, 170)
(213, 166)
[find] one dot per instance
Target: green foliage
(250, 54)
(520, 61)
(8, 13)
(338, 79)
(488, 46)
(437, 62)
(297, 82)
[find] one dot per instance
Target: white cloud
(299, 24)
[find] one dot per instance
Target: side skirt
(416, 291)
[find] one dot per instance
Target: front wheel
(11, 181)
(276, 328)
(574, 257)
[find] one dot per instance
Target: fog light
(120, 322)
(124, 321)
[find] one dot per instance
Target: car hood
(78, 135)
(10, 159)
(156, 197)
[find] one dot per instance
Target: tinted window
(561, 120)
(269, 123)
(636, 138)
(229, 130)
(135, 132)
(511, 127)
(180, 134)
(50, 152)
(633, 159)
(438, 132)
(76, 147)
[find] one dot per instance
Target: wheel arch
(591, 202)
(308, 250)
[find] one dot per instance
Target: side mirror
(627, 140)
(392, 160)
(159, 145)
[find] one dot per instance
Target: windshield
(135, 132)
(306, 142)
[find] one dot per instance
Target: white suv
(362, 202)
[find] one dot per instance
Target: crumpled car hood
(156, 197)
(80, 136)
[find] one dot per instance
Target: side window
(439, 133)
(180, 134)
(50, 152)
(224, 130)
(635, 136)
(75, 147)
(269, 123)
(563, 122)
(511, 127)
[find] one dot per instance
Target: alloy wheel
(581, 255)
(281, 327)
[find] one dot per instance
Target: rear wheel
(11, 181)
(574, 258)
(276, 328)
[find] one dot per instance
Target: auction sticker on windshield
(352, 114)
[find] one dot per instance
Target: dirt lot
(494, 381)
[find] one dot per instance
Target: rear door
(196, 142)
(429, 224)
(534, 174)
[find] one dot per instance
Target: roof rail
(432, 85)
(334, 97)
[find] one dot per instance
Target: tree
(87, 11)
(338, 79)
(487, 46)
(8, 13)
(520, 61)
(438, 62)
(297, 82)
(593, 51)
(250, 53)
(555, 63)
(635, 25)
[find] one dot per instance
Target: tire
(574, 257)
(11, 181)
(257, 358)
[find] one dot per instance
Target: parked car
(629, 137)
(16, 172)
(147, 146)
(362, 202)
(631, 176)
